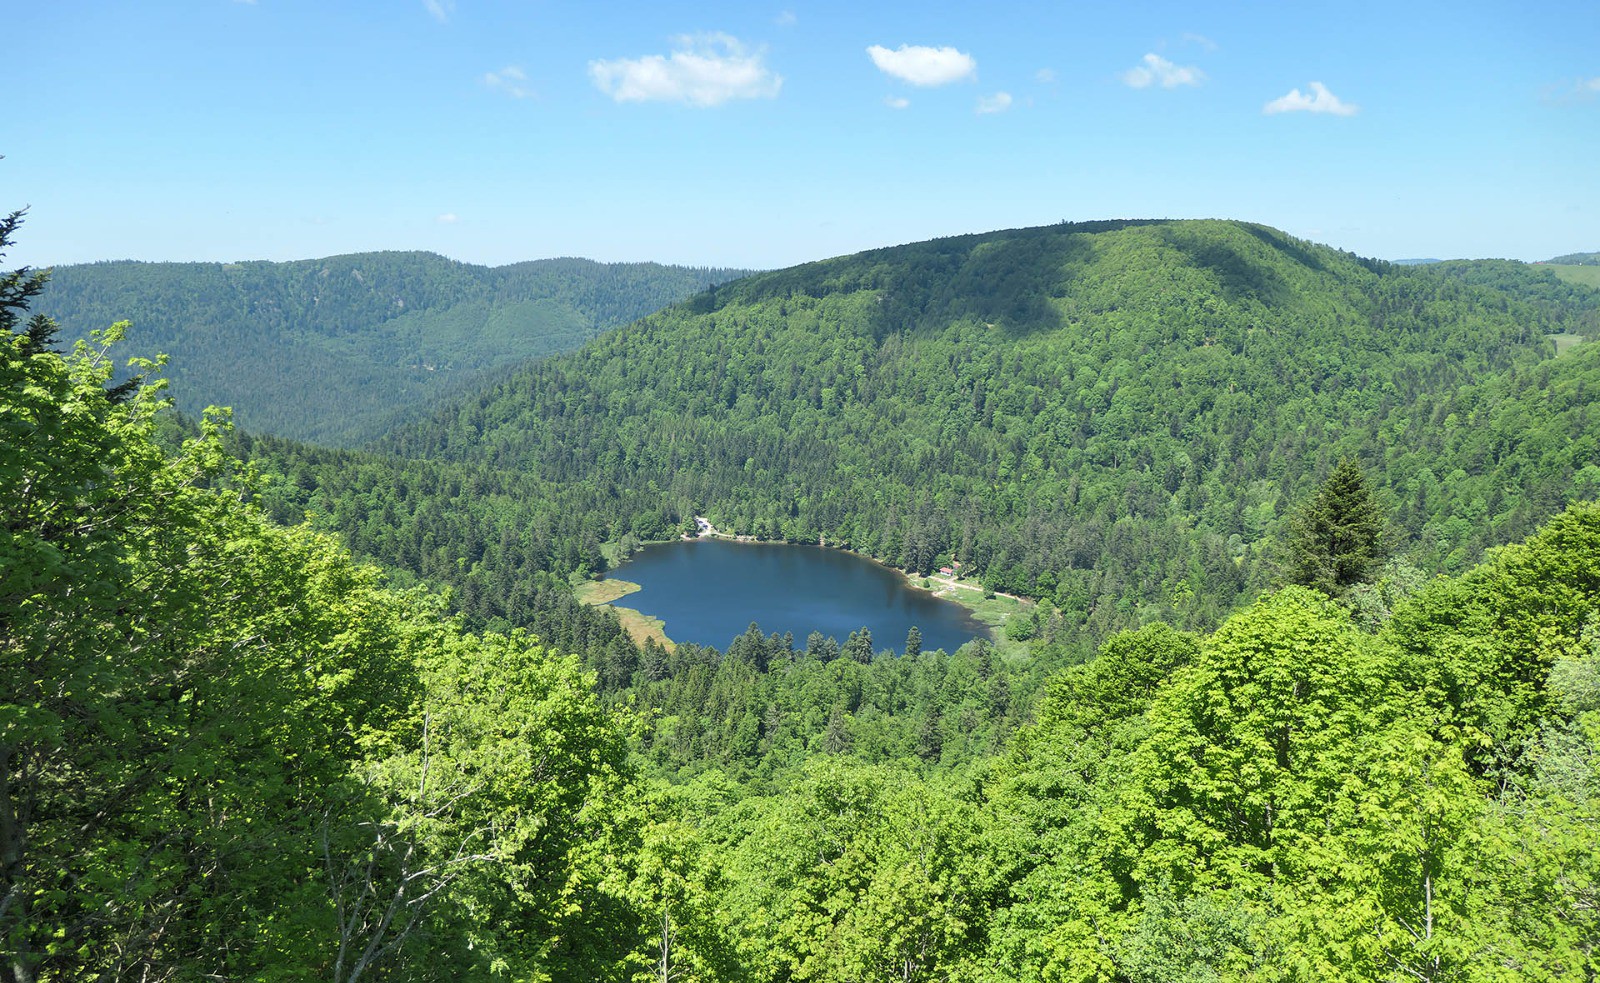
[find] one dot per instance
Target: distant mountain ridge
(336, 349)
(1576, 259)
(1553, 288)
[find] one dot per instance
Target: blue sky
(762, 135)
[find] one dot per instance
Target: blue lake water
(707, 591)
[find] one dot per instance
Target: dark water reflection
(707, 591)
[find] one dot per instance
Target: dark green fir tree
(1335, 539)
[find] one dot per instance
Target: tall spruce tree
(1336, 537)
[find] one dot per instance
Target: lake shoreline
(990, 609)
(640, 627)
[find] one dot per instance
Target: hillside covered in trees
(1115, 418)
(230, 750)
(336, 350)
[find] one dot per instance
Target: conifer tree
(1335, 537)
(859, 646)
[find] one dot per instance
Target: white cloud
(997, 103)
(1156, 70)
(1189, 37)
(511, 80)
(448, 218)
(786, 19)
(922, 65)
(1319, 100)
(440, 9)
(896, 102)
(703, 70)
(1045, 76)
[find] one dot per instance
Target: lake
(707, 591)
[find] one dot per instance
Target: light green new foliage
(1538, 870)
(1480, 650)
(1304, 800)
(1385, 892)
(1048, 802)
(674, 878)
(1201, 938)
(496, 786)
(182, 682)
(1272, 814)
(1575, 678)
(228, 751)
(1249, 742)
(857, 873)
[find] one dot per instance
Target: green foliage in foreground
(1289, 798)
(337, 349)
(227, 750)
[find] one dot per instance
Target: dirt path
(940, 583)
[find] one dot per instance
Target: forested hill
(1543, 284)
(1117, 418)
(332, 349)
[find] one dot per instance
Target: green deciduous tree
(229, 751)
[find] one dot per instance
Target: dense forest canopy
(230, 750)
(1116, 418)
(337, 349)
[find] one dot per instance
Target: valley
(1115, 418)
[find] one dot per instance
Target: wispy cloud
(896, 102)
(1567, 93)
(440, 9)
(702, 70)
(1317, 100)
(511, 80)
(1156, 70)
(997, 103)
(1189, 37)
(786, 19)
(1045, 76)
(448, 218)
(921, 65)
